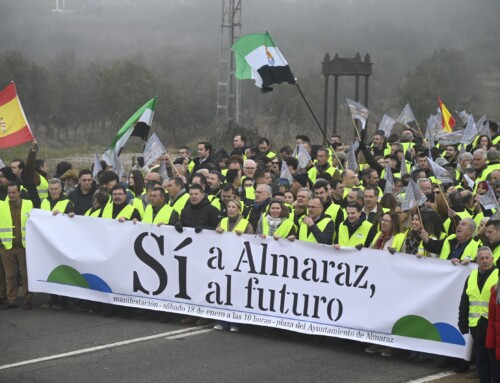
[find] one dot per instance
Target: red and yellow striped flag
(14, 128)
(447, 120)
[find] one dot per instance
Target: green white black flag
(258, 58)
(138, 125)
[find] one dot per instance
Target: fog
(176, 35)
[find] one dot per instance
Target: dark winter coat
(202, 215)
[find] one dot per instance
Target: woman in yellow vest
(432, 223)
(135, 183)
(234, 222)
(389, 233)
(137, 188)
(276, 221)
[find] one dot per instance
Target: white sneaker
(218, 327)
(374, 349)
(234, 329)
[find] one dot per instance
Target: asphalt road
(116, 350)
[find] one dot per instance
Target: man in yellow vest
(13, 216)
(322, 166)
(355, 230)
(492, 234)
(177, 195)
(264, 147)
(315, 227)
(332, 210)
(158, 211)
(458, 248)
(120, 209)
(473, 309)
(57, 201)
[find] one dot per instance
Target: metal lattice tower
(228, 88)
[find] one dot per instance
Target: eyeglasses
(117, 194)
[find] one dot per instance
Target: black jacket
(202, 215)
(82, 202)
(478, 332)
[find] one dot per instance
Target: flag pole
(318, 124)
(172, 164)
(311, 111)
(355, 127)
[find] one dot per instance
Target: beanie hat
(8, 173)
(301, 178)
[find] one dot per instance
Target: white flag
(406, 115)
(163, 170)
(154, 149)
(389, 181)
(439, 172)
(403, 169)
(352, 163)
(470, 132)
(483, 127)
(489, 200)
(450, 138)
(413, 196)
(387, 124)
(358, 111)
(464, 116)
(117, 165)
(285, 172)
(97, 167)
(303, 157)
(470, 181)
(430, 132)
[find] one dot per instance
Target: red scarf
(379, 244)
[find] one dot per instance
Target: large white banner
(369, 295)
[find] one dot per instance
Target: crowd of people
(327, 200)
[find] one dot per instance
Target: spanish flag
(447, 120)
(14, 128)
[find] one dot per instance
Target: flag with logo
(483, 127)
(489, 199)
(358, 111)
(406, 115)
(439, 172)
(451, 138)
(154, 149)
(389, 180)
(258, 58)
(433, 127)
(387, 124)
(414, 197)
(470, 132)
(138, 126)
(14, 127)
